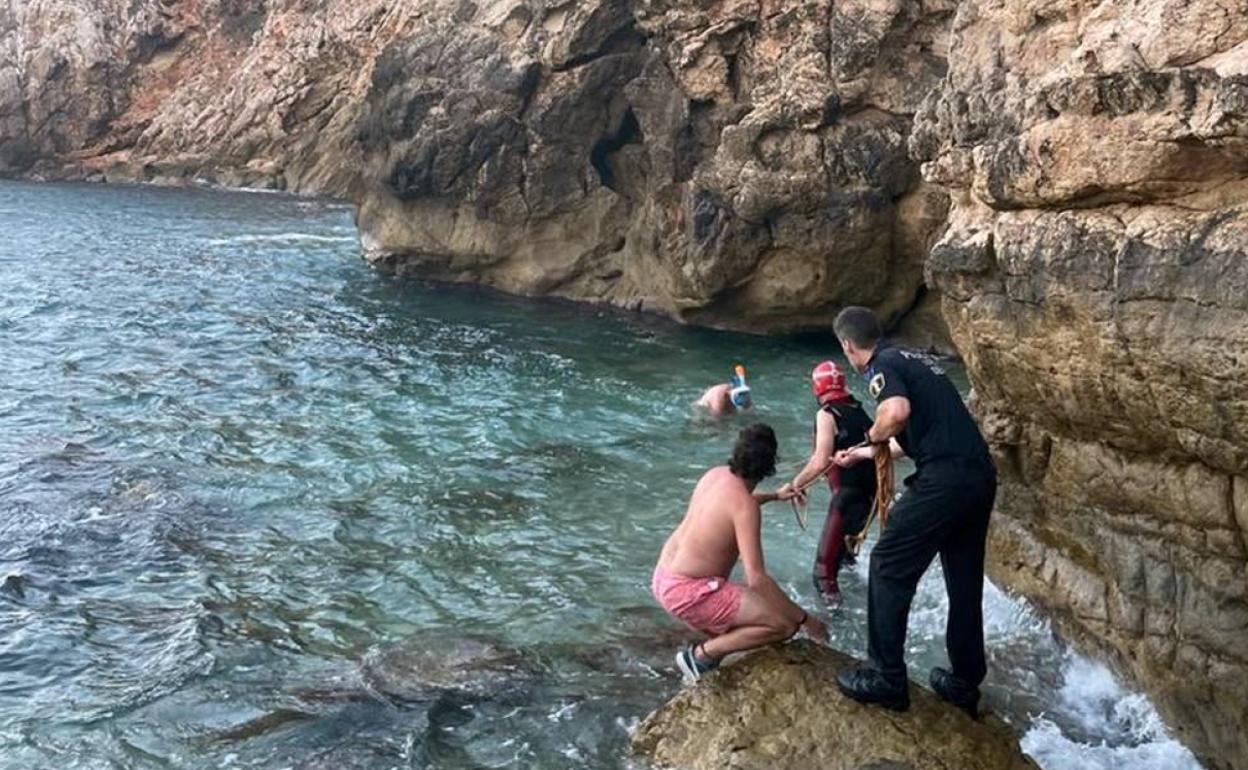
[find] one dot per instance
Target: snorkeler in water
(728, 397)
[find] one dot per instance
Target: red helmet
(828, 382)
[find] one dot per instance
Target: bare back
(705, 543)
(717, 400)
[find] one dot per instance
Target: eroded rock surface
(779, 708)
(236, 93)
(731, 163)
(1095, 278)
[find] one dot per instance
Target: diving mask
(740, 393)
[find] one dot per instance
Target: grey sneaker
(690, 667)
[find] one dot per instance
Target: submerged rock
(779, 708)
(266, 722)
(14, 584)
(343, 758)
(425, 664)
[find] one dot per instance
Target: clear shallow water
(234, 459)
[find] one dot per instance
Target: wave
(281, 238)
(1093, 697)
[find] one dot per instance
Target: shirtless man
(724, 522)
(727, 397)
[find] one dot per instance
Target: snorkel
(740, 393)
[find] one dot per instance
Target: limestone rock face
(734, 164)
(237, 93)
(1095, 277)
(779, 708)
(727, 163)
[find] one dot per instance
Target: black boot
(959, 692)
(868, 685)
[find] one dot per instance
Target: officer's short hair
(858, 325)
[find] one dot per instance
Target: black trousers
(944, 510)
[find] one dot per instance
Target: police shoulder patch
(876, 386)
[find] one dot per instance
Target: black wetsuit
(853, 492)
(944, 510)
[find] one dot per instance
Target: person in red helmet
(840, 424)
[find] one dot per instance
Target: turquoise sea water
(234, 459)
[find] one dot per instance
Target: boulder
(780, 708)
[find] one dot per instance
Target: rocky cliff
(233, 92)
(730, 163)
(1082, 207)
(1095, 277)
(739, 164)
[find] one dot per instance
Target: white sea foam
(1048, 745)
(1092, 697)
(280, 238)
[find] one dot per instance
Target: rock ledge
(780, 708)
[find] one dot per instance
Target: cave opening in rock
(628, 132)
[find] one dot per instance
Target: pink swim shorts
(709, 604)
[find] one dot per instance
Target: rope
(885, 488)
(801, 511)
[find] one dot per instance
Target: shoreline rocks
(779, 708)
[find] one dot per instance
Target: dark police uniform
(943, 510)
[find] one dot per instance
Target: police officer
(943, 510)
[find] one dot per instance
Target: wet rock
(424, 665)
(261, 725)
(1094, 278)
(14, 585)
(780, 708)
(346, 758)
(638, 642)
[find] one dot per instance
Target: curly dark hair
(754, 456)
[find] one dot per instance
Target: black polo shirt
(940, 426)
